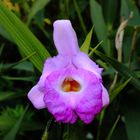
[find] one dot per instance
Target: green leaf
(6, 123)
(5, 34)
(117, 90)
(37, 6)
(110, 16)
(74, 132)
(95, 48)
(138, 74)
(127, 43)
(131, 111)
(46, 131)
(113, 128)
(23, 37)
(122, 69)
(86, 45)
(99, 23)
(9, 116)
(80, 16)
(14, 130)
(1, 48)
(120, 133)
(128, 6)
(25, 65)
(7, 95)
(31, 126)
(20, 65)
(27, 78)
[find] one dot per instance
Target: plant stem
(113, 128)
(100, 123)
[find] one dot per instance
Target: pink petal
(52, 64)
(65, 38)
(55, 63)
(91, 103)
(55, 101)
(105, 96)
(36, 97)
(60, 110)
(81, 60)
(63, 104)
(87, 118)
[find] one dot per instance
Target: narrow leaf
(110, 16)
(22, 36)
(37, 6)
(128, 6)
(7, 95)
(99, 23)
(74, 132)
(21, 64)
(93, 49)
(46, 131)
(5, 34)
(131, 111)
(80, 16)
(1, 48)
(116, 91)
(113, 128)
(86, 45)
(12, 133)
(122, 69)
(29, 78)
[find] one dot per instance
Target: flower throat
(70, 85)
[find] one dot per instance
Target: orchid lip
(70, 85)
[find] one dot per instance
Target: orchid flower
(71, 84)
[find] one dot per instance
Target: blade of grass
(131, 111)
(9, 95)
(5, 34)
(95, 48)
(1, 48)
(86, 45)
(46, 131)
(4, 67)
(100, 26)
(37, 6)
(121, 68)
(27, 79)
(14, 130)
(113, 128)
(101, 116)
(116, 91)
(23, 37)
(80, 16)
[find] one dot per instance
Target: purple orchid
(71, 83)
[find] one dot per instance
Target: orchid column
(71, 84)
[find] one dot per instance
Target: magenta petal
(105, 96)
(87, 117)
(52, 64)
(55, 63)
(60, 110)
(56, 101)
(65, 38)
(81, 60)
(87, 102)
(91, 103)
(71, 84)
(36, 97)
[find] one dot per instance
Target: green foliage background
(108, 30)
